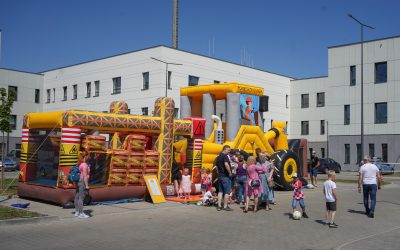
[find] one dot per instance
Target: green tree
(6, 104)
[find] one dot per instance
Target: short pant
(294, 203)
(314, 171)
(203, 187)
(224, 185)
(331, 206)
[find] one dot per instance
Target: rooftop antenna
(175, 26)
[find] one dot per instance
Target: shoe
(228, 209)
(333, 225)
(305, 215)
(76, 214)
(219, 208)
(371, 215)
(245, 210)
(367, 212)
(83, 216)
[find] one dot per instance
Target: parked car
(384, 168)
(327, 164)
(9, 165)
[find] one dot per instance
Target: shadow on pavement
(288, 215)
(322, 222)
(356, 211)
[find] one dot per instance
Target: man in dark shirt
(314, 168)
(224, 182)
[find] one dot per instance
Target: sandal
(245, 210)
(219, 208)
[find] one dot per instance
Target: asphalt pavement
(178, 226)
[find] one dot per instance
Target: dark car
(326, 164)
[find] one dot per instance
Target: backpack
(74, 174)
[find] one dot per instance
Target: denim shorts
(314, 171)
(301, 201)
(224, 184)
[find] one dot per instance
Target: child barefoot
(298, 195)
(186, 184)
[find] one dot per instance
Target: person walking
(370, 178)
(241, 174)
(314, 168)
(82, 186)
(254, 187)
(266, 195)
(224, 178)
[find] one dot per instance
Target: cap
(294, 175)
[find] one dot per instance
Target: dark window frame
(353, 75)
(13, 125)
(145, 110)
(88, 89)
(322, 127)
(117, 85)
(305, 104)
(15, 89)
(146, 80)
(378, 118)
(346, 153)
(380, 73)
(347, 114)
(305, 127)
(37, 95)
(193, 80)
(65, 93)
(169, 75)
(74, 91)
(371, 150)
(322, 103)
(48, 95)
(96, 88)
(385, 152)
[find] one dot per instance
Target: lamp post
(166, 72)
(362, 25)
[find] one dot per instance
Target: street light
(166, 72)
(362, 25)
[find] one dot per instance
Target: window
(17, 145)
(37, 95)
(169, 79)
(321, 99)
(304, 100)
(116, 85)
(129, 111)
(346, 114)
(216, 82)
(322, 129)
(352, 75)
(96, 88)
(13, 122)
(272, 121)
(193, 81)
(384, 152)
(287, 97)
(304, 127)
(75, 91)
(145, 111)
(146, 80)
(371, 147)
(65, 95)
(380, 72)
(88, 89)
(346, 153)
(359, 156)
(322, 152)
(15, 90)
(54, 95)
(381, 112)
(176, 113)
(48, 92)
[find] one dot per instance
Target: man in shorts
(314, 168)
(224, 178)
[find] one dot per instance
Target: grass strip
(11, 213)
(13, 189)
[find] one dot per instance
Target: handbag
(271, 183)
(254, 183)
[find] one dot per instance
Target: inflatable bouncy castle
(123, 147)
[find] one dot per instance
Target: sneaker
(219, 208)
(333, 225)
(305, 215)
(76, 214)
(228, 209)
(371, 215)
(83, 216)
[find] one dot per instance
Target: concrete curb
(19, 221)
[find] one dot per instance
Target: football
(296, 215)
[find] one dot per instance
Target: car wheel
(287, 163)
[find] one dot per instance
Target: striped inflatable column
(194, 159)
(69, 150)
(28, 161)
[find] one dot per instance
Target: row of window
(305, 127)
(380, 73)
(305, 100)
(380, 113)
(371, 151)
(117, 84)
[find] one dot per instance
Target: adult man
(224, 174)
(370, 178)
(314, 168)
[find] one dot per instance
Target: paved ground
(177, 226)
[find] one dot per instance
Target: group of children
(330, 194)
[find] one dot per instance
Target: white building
(322, 109)
(339, 106)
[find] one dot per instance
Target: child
(209, 179)
(186, 184)
(209, 197)
(298, 195)
(331, 198)
(204, 177)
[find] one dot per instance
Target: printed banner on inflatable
(249, 108)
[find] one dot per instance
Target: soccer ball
(296, 215)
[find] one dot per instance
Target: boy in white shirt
(331, 199)
(209, 197)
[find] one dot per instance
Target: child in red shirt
(298, 195)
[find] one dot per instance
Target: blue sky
(285, 37)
